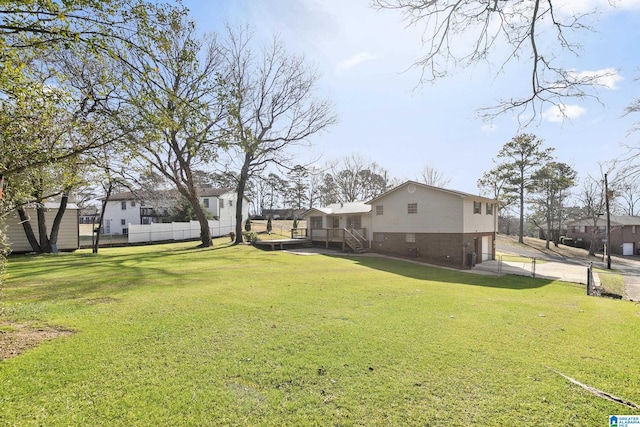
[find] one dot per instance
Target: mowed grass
(171, 335)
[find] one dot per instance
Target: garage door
(627, 249)
(485, 248)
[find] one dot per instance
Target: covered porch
(353, 238)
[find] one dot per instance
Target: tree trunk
(98, 231)
(242, 183)
(28, 230)
(521, 236)
(55, 227)
(205, 231)
(45, 245)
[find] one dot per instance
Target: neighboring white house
(128, 208)
(415, 220)
(68, 234)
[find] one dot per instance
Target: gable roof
(140, 194)
(456, 193)
(602, 220)
(342, 209)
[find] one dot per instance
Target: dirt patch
(16, 338)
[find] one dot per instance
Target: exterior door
(335, 224)
(485, 248)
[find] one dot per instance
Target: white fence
(176, 231)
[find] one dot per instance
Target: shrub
(250, 236)
(232, 236)
(247, 225)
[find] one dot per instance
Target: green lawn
(171, 335)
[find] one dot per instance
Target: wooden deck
(283, 243)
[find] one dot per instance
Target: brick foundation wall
(438, 248)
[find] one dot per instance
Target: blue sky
(363, 56)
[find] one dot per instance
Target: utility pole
(606, 199)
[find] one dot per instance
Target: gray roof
(141, 194)
(602, 220)
(342, 208)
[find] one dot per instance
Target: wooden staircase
(355, 241)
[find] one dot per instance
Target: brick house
(414, 220)
(625, 233)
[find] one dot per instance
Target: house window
(221, 203)
(123, 222)
(379, 209)
(230, 203)
(354, 222)
(582, 228)
(633, 229)
(133, 203)
(477, 207)
(412, 208)
(489, 208)
(379, 237)
(316, 222)
(602, 229)
(410, 238)
(123, 206)
(205, 202)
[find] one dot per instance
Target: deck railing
(352, 238)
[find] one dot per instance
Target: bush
(247, 225)
(232, 236)
(250, 236)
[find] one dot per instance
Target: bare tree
(434, 177)
(272, 107)
(356, 178)
(629, 197)
(463, 33)
(593, 200)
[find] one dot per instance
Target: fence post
(533, 267)
(589, 278)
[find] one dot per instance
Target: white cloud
(354, 61)
(558, 113)
(607, 77)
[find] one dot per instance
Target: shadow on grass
(83, 275)
(459, 277)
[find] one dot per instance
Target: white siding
(478, 223)
(116, 214)
(438, 212)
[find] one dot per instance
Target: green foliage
(183, 212)
(174, 335)
(250, 236)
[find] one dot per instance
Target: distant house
(138, 208)
(625, 233)
(68, 234)
(414, 220)
(282, 213)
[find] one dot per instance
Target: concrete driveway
(570, 270)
